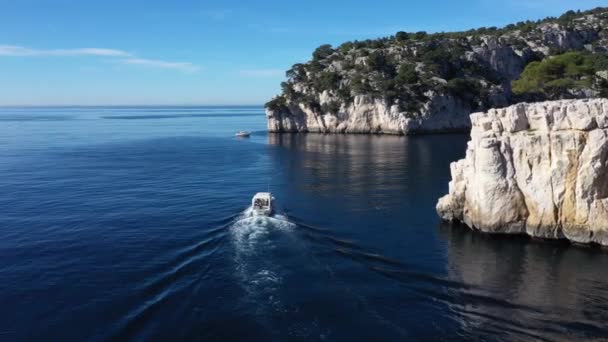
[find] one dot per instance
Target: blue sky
(89, 52)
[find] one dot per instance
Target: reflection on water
(361, 163)
(552, 289)
(374, 198)
(368, 169)
(135, 230)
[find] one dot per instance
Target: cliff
(419, 82)
(539, 169)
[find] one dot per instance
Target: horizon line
(129, 105)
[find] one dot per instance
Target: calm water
(130, 223)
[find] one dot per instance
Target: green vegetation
(331, 107)
(327, 80)
(277, 104)
(402, 36)
(409, 68)
(407, 74)
(322, 52)
(465, 89)
(555, 77)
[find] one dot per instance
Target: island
(425, 83)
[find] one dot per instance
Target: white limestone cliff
(355, 87)
(540, 169)
(369, 115)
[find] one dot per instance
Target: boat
(262, 203)
(242, 134)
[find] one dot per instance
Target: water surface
(132, 223)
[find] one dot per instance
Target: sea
(132, 223)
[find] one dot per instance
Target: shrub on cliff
(402, 36)
(331, 107)
(420, 35)
(326, 80)
(407, 74)
(322, 52)
(465, 89)
(277, 104)
(476, 66)
(297, 73)
(360, 85)
(558, 77)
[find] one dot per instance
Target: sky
(186, 52)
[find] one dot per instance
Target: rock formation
(421, 83)
(539, 169)
(369, 115)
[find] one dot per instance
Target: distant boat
(262, 203)
(243, 134)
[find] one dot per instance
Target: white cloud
(262, 72)
(20, 51)
(181, 66)
(122, 56)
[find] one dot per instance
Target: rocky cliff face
(368, 115)
(413, 83)
(539, 169)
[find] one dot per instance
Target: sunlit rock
(539, 169)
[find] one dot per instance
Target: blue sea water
(130, 223)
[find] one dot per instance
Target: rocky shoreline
(367, 115)
(539, 169)
(415, 83)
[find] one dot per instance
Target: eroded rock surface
(430, 83)
(369, 115)
(539, 169)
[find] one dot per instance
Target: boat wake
(249, 228)
(257, 242)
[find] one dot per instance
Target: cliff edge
(539, 169)
(422, 83)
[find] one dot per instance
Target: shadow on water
(555, 287)
(355, 197)
(510, 288)
(424, 283)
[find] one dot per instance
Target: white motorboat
(262, 203)
(243, 134)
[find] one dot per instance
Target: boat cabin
(262, 203)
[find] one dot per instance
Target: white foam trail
(254, 241)
(249, 228)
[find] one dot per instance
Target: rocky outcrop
(369, 115)
(539, 169)
(419, 83)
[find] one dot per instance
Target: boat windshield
(260, 203)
